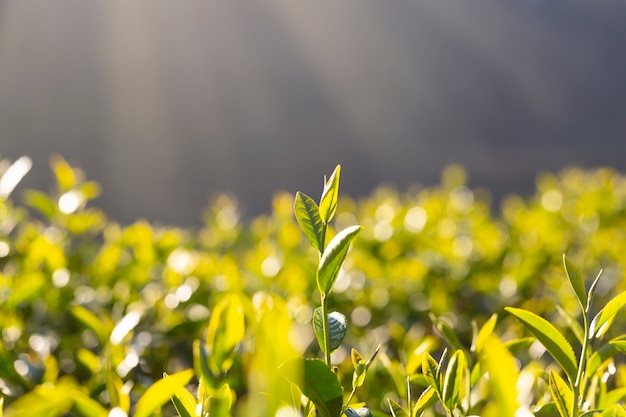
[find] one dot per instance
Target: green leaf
(614, 411)
(333, 258)
(426, 399)
(485, 332)
(430, 371)
(603, 354)
(360, 370)
(500, 364)
(601, 322)
(160, 393)
(453, 379)
(337, 327)
(613, 397)
(554, 342)
(308, 217)
(328, 202)
(546, 410)
(446, 331)
(620, 345)
(220, 402)
(92, 321)
(572, 323)
(64, 173)
(86, 406)
(40, 202)
(180, 407)
(396, 409)
(317, 382)
(577, 282)
(561, 394)
(592, 290)
(226, 330)
(519, 343)
(182, 399)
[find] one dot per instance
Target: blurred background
(169, 103)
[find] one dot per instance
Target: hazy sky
(167, 103)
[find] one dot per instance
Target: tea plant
(318, 380)
(100, 319)
(579, 394)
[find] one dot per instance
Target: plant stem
(345, 406)
(326, 330)
(582, 363)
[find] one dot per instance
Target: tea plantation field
(436, 305)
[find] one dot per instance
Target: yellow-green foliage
(92, 313)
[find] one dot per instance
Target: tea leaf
(337, 328)
(184, 402)
(328, 202)
(92, 321)
(615, 410)
(220, 402)
(500, 364)
(601, 322)
(603, 354)
(160, 393)
(612, 397)
(554, 342)
(308, 217)
(317, 382)
(576, 281)
(226, 329)
(446, 332)
(333, 258)
(561, 394)
(396, 409)
(360, 370)
(546, 410)
(430, 371)
(453, 379)
(426, 399)
(485, 332)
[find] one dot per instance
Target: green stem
(582, 363)
(326, 329)
(345, 406)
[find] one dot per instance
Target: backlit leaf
(426, 399)
(603, 354)
(554, 342)
(160, 393)
(430, 371)
(220, 402)
(328, 202)
(226, 330)
(561, 394)
(576, 281)
(396, 409)
(602, 321)
(485, 332)
(317, 382)
(92, 321)
(453, 379)
(498, 362)
(333, 258)
(182, 399)
(308, 217)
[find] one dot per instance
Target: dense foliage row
(93, 313)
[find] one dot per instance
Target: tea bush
(103, 319)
